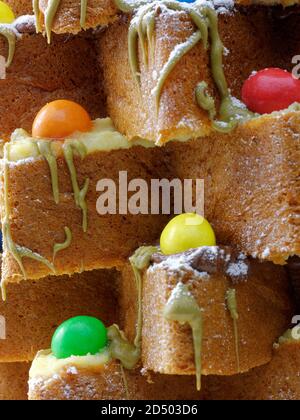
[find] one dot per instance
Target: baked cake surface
(13, 381)
(198, 322)
(278, 380)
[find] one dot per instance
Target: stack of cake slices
(162, 82)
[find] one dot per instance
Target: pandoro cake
(195, 315)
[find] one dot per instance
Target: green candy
(79, 336)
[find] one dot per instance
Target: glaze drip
(121, 349)
(205, 100)
(174, 58)
(45, 150)
(64, 245)
(83, 11)
(50, 13)
(139, 261)
(183, 308)
(290, 336)
(37, 14)
(232, 307)
(79, 193)
(10, 35)
(124, 379)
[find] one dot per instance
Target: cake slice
(33, 310)
(211, 310)
(14, 381)
(278, 380)
(38, 73)
(252, 183)
(171, 84)
(78, 380)
(75, 369)
(67, 197)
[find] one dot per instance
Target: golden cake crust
(13, 381)
(278, 380)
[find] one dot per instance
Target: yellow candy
(6, 14)
(184, 232)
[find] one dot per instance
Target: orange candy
(59, 119)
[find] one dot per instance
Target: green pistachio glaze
(139, 261)
(205, 100)
(183, 308)
(51, 12)
(205, 19)
(10, 36)
(79, 193)
(46, 151)
(83, 10)
(290, 336)
(174, 58)
(121, 349)
(233, 310)
(64, 245)
(37, 14)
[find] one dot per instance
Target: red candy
(270, 90)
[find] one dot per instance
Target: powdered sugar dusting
(237, 269)
(204, 261)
